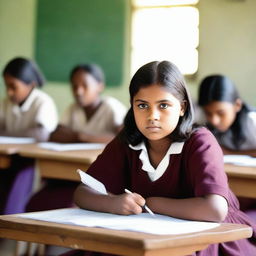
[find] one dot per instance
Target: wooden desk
(242, 180)
(6, 151)
(60, 165)
(63, 165)
(117, 242)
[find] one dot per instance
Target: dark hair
(221, 88)
(167, 75)
(217, 88)
(92, 69)
(25, 70)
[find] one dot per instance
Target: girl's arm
(209, 208)
(124, 204)
(39, 132)
(92, 138)
(101, 138)
(63, 134)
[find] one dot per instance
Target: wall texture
(227, 45)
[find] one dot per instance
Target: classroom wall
(227, 45)
(16, 31)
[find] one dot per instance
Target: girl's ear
(238, 104)
(33, 84)
(183, 107)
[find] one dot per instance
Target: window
(165, 30)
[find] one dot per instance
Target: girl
(91, 118)
(231, 120)
(174, 168)
(26, 112)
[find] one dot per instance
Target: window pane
(147, 3)
(166, 34)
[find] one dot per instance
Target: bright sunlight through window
(165, 30)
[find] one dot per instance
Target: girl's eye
(142, 105)
(163, 105)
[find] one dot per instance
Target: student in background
(92, 118)
(230, 119)
(26, 112)
(173, 167)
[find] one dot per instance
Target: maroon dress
(197, 171)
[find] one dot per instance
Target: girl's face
(156, 112)
(221, 115)
(86, 89)
(17, 91)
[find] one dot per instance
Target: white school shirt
(110, 114)
(39, 108)
(226, 139)
(154, 174)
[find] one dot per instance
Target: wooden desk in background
(125, 243)
(63, 165)
(242, 180)
(6, 151)
(60, 164)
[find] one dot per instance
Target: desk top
(114, 241)
(80, 156)
(9, 149)
(240, 171)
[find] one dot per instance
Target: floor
(8, 248)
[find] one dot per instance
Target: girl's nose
(215, 120)
(79, 90)
(153, 115)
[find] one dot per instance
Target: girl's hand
(126, 204)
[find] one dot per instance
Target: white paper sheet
(92, 182)
(242, 160)
(70, 146)
(16, 140)
(144, 222)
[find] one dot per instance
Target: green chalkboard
(70, 32)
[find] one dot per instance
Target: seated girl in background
(173, 167)
(26, 112)
(231, 120)
(91, 118)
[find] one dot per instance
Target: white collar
(154, 174)
(27, 104)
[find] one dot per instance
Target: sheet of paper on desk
(16, 140)
(144, 222)
(242, 160)
(70, 146)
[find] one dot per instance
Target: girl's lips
(153, 128)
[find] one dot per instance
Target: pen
(145, 207)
